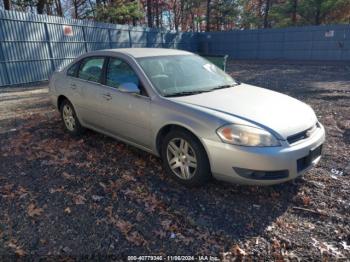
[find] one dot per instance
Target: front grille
(295, 138)
(302, 135)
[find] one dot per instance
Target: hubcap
(181, 158)
(68, 117)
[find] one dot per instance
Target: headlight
(246, 136)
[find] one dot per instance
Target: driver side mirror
(130, 88)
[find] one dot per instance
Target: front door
(127, 114)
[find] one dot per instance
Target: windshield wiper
(225, 86)
(187, 93)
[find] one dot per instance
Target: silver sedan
(198, 119)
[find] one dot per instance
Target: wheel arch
(60, 99)
(162, 132)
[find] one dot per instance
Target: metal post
(110, 38)
(130, 40)
(283, 56)
(258, 46)
(2, 57)
(84, 37)
(49, 46)
(162, 36)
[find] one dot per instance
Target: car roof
(144, 52)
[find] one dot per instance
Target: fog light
(261, 175)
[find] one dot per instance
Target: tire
(191, 168)
(70, 119)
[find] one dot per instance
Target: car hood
(268, 109)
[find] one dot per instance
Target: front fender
(200, 124)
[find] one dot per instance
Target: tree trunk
(208, 16)
(318, 16)
(176, 16)
(169, 20)
(294, 11)
(149, 13)
(75, 5)
(157, 13)
(266, 14)
(7, 4)
(59, 8)
(40, 6)
(218, 23)
(192, 20)
(182, 18)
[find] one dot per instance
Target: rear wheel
(185, 158)
(69, 118)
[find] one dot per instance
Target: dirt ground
(93, 197)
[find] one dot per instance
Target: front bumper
(225, 158)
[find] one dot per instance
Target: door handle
(107, 96)
(73, 86)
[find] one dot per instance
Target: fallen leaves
(140, 163)
(157, 214)
(79, 199)
(237, 251)
(68, 176)
(306, 200)
(7, 192)
(125, 228)
(17, 248)
(159, 233)
(303, 198)
(56, 190)
(135, 238)
(281, 223)
(150, 200)
(139, 217)
(96, 198)
(10, 192)
(326, 248)
(33, 210)
(276, 250)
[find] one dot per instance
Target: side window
(119, 73)
(72, 71)
(91, 69)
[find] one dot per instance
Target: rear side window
(91, 69)
(72, 71)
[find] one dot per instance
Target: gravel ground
(96, 198)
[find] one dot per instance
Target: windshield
(184, 74)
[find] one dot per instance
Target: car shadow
(235, 211)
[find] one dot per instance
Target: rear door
(87, 85)
(68, 85)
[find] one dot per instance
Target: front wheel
(69, 118)
(185, 159)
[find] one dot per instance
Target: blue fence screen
(312, 43)
(33, 46)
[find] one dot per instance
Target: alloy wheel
(181, 158)
(68, 117)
